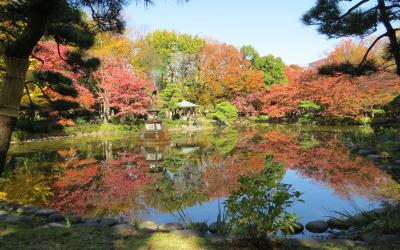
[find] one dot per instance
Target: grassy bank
(19, 237)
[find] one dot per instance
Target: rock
(168, 227)
(45, 212)
(30, 210)
(338, 223)
(56, 217)
(75, 219)
(373, 157)
(318, 226)
(351, 234)
(149, 225)
(124, 230)
(54, 224)
(397, 162)
(362, 218)
(2, 212)
(94, 225)
(201, 227)
(12, 206)
(386, 239)
(377, 211)
(298, 243)
(213, 227)
(370, 236)
(92, 220)
(365, 151)
(186, 233)
(109, 222)
(16, 219)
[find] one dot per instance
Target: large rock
(186, 233)
(148, 225)
(124, 230)
(109, 222)
(45, 212)
(168, 227)
(56, 217)
(338, 224)
(318, 226)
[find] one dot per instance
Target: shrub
(259, 207)
(224, 111)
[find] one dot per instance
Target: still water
(122, 177)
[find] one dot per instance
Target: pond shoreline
(345, 236)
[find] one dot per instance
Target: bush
(258, 208)
(224, 111)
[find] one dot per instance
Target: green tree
(178, 54)
(339, 18)
(272, 67)
(250, 53)
(23, 23)
(171, 96)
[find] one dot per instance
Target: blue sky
(271, 26)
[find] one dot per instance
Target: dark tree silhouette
(339, 18)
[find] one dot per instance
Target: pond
(192, 172)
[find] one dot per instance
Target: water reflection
(119, 176)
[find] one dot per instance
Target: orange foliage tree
(227, 72)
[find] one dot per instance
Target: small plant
(68, 221)
(259, 208)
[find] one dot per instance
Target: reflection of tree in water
(330, 163)
(90, 187)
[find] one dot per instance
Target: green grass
(17, 237)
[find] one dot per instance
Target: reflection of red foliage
(329, 163)
(98, 186)
(222, 176)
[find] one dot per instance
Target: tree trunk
(391, 33)
(10, 99)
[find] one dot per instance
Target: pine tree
(339, 18)
(23, 23)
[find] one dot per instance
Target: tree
(118, 88)
(337, 18)
(272, 67)
(23, 23)
(227, 72)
